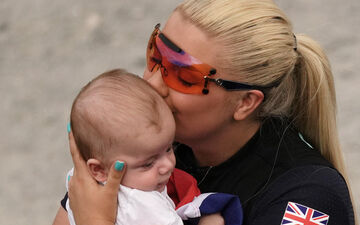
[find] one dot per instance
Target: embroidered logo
(296, 214)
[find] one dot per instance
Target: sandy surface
(49, 49)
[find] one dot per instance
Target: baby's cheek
(126, 181)
(173, 160)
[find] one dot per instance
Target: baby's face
(149, 156)
(150, 171)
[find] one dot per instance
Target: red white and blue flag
(297, 214)
(191, 204)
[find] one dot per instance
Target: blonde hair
(259, 48)
(113, 99)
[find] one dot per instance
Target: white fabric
(140, 207)
(192, 209)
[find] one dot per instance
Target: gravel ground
(49, 49)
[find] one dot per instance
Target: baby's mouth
(162, 185)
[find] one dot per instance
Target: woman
(254, 106)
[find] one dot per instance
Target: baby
(118, 116)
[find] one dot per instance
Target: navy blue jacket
(276, 175)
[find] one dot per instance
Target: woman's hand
(91, 203)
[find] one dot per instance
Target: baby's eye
(169, 149)
(148, 165)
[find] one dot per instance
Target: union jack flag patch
(296, 214)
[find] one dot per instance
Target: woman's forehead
(190, 38)
(178, 58)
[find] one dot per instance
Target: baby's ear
(97, 170)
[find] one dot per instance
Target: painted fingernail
(119, 165)
(69, 178)
(69, 127)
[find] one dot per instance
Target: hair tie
(295, 42)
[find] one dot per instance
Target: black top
(275, 167)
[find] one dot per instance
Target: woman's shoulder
(316, 189)
(310, 176)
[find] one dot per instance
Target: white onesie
(140, 207)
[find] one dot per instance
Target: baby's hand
(213, 219)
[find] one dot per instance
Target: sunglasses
(181, 71)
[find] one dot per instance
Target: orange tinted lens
(153, 56)
(183, 79)
(180, 71)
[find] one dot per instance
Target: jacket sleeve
(315, 194)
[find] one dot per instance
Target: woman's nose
(156, 81)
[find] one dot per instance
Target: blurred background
(50, 49)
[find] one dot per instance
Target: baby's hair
(115, 100)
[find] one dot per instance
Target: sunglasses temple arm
(234, 86)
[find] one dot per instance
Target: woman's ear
(97, 170)
(248, 103)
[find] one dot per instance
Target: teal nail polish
(119, 165)
(69, 127)
(69, 178)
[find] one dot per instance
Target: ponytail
(314, 106)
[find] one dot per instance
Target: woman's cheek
(147, 74)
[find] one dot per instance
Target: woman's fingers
(90, 202)
(81, 171)
(78, 161)
(115, 176)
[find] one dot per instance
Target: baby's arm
(208, 207)
(213, 219)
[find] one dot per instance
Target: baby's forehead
(139, 142)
